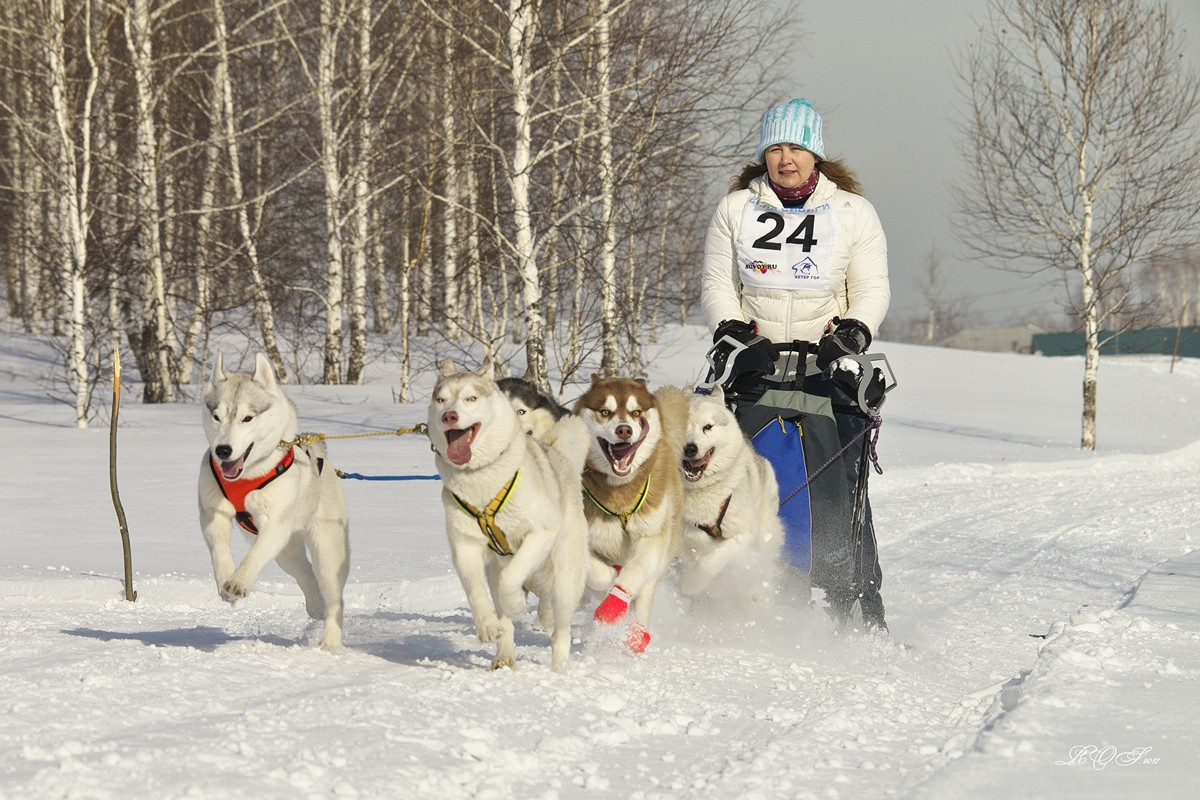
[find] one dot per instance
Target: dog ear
(596, 378)
(446, 368)
(718, 393)
(218, 373)
(264, 373)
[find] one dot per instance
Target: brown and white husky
(634, 494)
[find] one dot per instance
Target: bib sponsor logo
(761, 267)
(806, 270)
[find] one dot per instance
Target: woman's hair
(833, 169)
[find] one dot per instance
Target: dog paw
(489, 630)
(613, 607)
(232, 591)
(637, 638)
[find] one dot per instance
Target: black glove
(756, 360)
(844, 337)
(743, 332)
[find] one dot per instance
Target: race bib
(787, 248)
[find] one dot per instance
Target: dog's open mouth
(458, 443)
(232, 469)
(620, 454)
(693, 468)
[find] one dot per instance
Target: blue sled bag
(782, 443)
(797, 432)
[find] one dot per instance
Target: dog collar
(714, 530)
(235, 491)
(497, 541)
(625, 517)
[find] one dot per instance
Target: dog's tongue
(693, 469)
(458, 444)
(231, 469)
(621, 455)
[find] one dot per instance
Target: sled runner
(817, 430)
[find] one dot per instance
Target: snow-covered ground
(1044, 607)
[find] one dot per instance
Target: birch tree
(18, 170)
(360, 177)
(225, 121)
(450, 309)
(74, 165)
(608, 190)
(155, 334)
(945, 314)
(1081, 137)
(332, 17)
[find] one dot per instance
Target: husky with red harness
(287, 500)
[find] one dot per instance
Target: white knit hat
(794, 122)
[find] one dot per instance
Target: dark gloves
(747, 334)
(757, 359)
(843, 337)
(743, 332)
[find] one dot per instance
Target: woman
(794, 252)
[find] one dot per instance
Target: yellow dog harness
(623, 517)
(486, 518)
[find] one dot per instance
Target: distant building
(1184, 342)
(1017, 339)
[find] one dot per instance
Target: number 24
(803, 235)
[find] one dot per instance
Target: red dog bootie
(637, 638)
(613, 607)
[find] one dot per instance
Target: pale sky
(881, 73)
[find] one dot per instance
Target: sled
(817, 430)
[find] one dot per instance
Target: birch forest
(315, 175)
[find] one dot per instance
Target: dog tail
(570, 438)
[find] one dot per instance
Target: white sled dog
(732, 535)
(635, 494)
(514, 510)
(287, 501)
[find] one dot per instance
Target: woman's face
(789, 165)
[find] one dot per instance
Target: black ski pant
(866, 577)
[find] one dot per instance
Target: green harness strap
(497, 541)
(626, 516)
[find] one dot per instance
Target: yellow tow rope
(306, 439)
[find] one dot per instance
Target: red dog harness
(235, 491)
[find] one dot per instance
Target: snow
(1044, 606)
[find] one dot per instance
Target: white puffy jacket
(855, 284)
